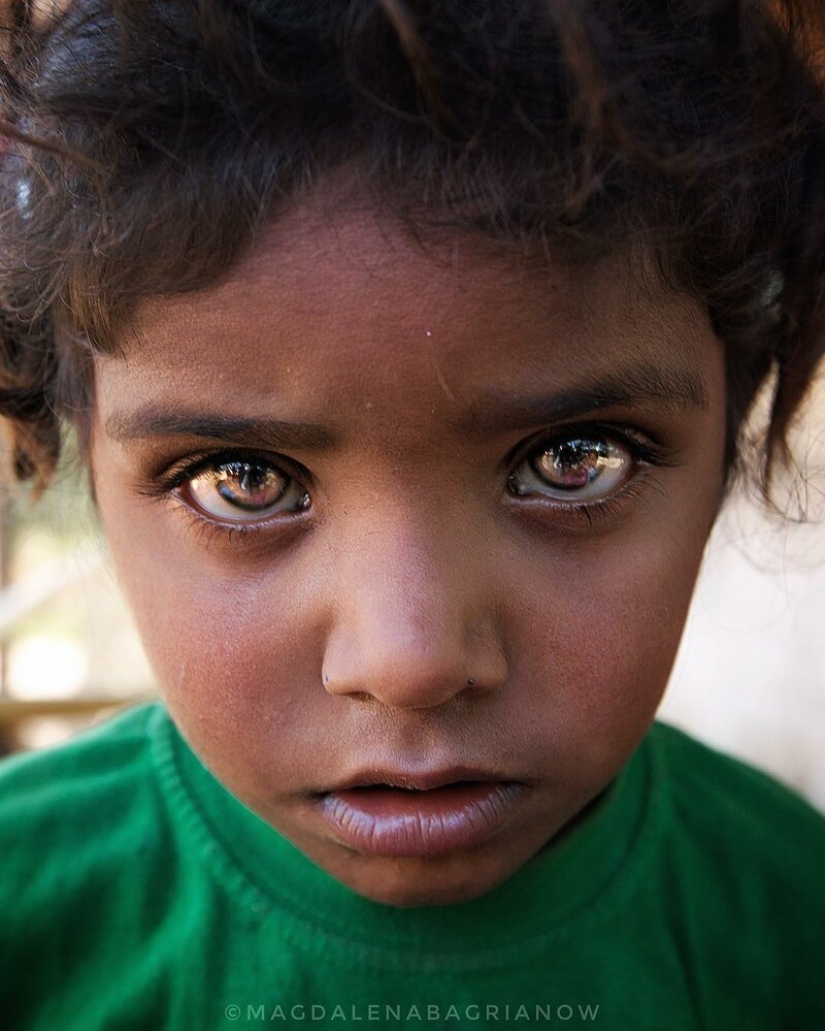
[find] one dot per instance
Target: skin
(418, 613)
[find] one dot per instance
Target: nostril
(406, 665)
(337, 688)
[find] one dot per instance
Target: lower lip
(398, 823)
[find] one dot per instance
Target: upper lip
(416, 780)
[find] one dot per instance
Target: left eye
(245, 490)
(574, 469)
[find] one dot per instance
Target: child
(408, 345)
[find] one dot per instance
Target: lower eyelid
(584, 512)
(210, 528)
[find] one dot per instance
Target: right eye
(244, 490)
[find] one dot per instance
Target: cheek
(596, 635)
(223, 646)
(234, 675)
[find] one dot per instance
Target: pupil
(246, 485)
(574, 464)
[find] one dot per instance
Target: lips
(422, 814)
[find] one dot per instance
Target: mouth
(407, 815)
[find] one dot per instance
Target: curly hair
(146, 144)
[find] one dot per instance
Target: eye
(576, 468)
(244, 490)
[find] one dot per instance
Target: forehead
(397, 307)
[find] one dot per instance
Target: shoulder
(740, 885)
(745, 851)
(719, 795)
(95, 764)
(69, 812)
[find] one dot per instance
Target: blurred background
(749, 678)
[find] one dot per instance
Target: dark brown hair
(147, 141)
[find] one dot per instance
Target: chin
(405, 883)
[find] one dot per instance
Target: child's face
(408, 516)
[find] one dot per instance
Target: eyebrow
(680, 388)
(156, 421)
(670, 387)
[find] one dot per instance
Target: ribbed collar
(568, 884)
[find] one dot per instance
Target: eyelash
(170, 482)
(644, 452)
(601, 511)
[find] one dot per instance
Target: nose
(414, 620)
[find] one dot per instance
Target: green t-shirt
(138, 893)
